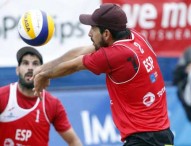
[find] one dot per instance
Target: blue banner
(89, 112)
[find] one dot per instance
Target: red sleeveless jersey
(28, 126)
(135, 84)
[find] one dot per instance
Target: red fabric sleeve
(56, 113)
(97, 62)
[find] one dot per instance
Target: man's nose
(90, 33)
(31, 66)
(30, 69)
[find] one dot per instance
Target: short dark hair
(117, 35)
(28, 50)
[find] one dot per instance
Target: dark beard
(24, 84)
(102, 43)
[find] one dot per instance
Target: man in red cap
(133, 77)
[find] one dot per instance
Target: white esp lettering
(148, 63)
(23, 134)
(95, 133)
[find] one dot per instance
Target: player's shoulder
(51, 98)
(137, 35)
(52, 104)
(4, 90)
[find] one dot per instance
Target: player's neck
(25, 91)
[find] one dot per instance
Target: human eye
(24, 63)
(36, 63)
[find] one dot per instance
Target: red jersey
(135, 84)
(29, 126)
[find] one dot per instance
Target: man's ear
(17, 70)
(107, 36)
(106, 33)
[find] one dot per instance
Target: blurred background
(165, 23)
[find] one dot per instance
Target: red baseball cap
(109, 15)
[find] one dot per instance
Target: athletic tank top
(24, 127)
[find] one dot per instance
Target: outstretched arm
(71, 54)
(67, 64)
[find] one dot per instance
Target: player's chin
(96, 46)
(29, 85)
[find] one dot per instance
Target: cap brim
(87, 19)
(26, 50)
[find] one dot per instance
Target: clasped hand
(41, 81)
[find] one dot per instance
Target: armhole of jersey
(134, 74)
(44, 106)
(9, 100)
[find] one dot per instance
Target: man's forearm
(65, 68)
(71, 54)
